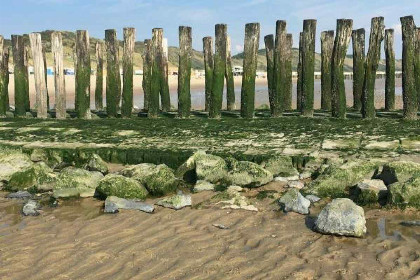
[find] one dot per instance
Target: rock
(305, 175)
(312, 198)
(341, 217)
(96, 163)
(203, 186)
(158, 179)
(397, 171)
(404, 194)
(247, 174)
(280, 166)
(120, 186)
(295, 184)
(221, 226)
(237, 202)
(39, 177)
(51, 157)
(234, 189)
(19, 195)
(113, 204)
(336, 181)
(31, 208)
(11, 162)
(293, 201)
(73, 181)
(286, 179)
(410, 223)
(370, 191)
(176, 202)
(207, 167)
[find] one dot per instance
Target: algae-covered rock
(342, 217)
(120, 186)
(370, 191)
(52, 158)
(336, 181)
(113, 204)
(280, 166)
(11, 162)
(158, 179)
(19, 195)
(95, 163)
(207, 167)
(397, 171)
(405, 193)
(72, 181)
(38, 177)
(203, 186)
(247, 174)
(293, 201)
(176, 202)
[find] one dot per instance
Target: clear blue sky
(25, 16)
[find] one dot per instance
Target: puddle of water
(392, 229)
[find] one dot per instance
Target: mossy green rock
(39, 177)
(369, 192)
(95, 163)
(336, 181)
(247, 174)
(52, 158)
(158, 179)
(404, 194)
(12, 162)
(398, 171)
(73, 181)
(120, 186)
(280, 166)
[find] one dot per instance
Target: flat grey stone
(19, 195)
(176, 202)
(312, 198)
(31, 208)
(113, 204)
(293, 201)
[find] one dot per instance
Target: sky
(25, 16)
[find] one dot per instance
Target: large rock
(158, 179)
(38, 177)
(397, 171)
(203, 186)
(247, 174)
(406, 193)
(293, 201)
(370, 191)
(12, 162)
(51, 157)
(336, 181)
(113, 204)
(280, 166)
(31, 208)
(95, 163)
(19, 195)
(176, 202)
(73, 181)
(206, 167)
(342, 217)
(120, 186)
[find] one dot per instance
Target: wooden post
(251, 45)
(75, 68)
(358, 39)
(327, 46)
(408, 69)
(18, 49)
(184, 71)
(26, 73)
(218, 71)
(208, 68)
(230, 82)
(6, 57)
(280, 57)
(113, 78)
(99, 89)
(128, 72)
(3, 105)
(289, 73)
(269, 53)
(308, 67)
(147, 72)
(299, 72)
(83, 74)
(39, 74)
(338, 91)
(165, 98)
(377, 33)
(417, 65)
(155, 87)
(59, 80)
(44, 57)
(390, 70)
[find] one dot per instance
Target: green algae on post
(289, 74)
(299, 75)
(155, 84)
(59, 79)
(269, 52)
(230, 83)
(417, 65)
(147, 73)
(165, 98)
(128, 71)
(3, 106)
(327, 46)
(113, 79)
(21, 80)
(99, 89)
(208, 70)
(308, 67)
(184, 72)
(280, 56)
(358, 39)
(390, 70)
(83, 74)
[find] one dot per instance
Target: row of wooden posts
(218, 68)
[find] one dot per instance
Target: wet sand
(77, 241)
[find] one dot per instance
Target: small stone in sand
(19, 195)
(31, 208)
(113, 204)
(312, 198)
(295, 184)
(176, 202)
(221, 226)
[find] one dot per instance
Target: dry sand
(76, 241)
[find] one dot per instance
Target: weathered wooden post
(358, 39)
(147, 72)
(208, 69)
(21, 80)
(39, 74)
(4, 94)
(327, 46)
(59, 80)
(390, 70)
(377, 33)
(3, 105)
(155, 87)
(44, 57)
(417, 65)
(308, 67)
(219, 70)
(251, 44)
(26, 73)
(269, 53)
(338, 91)
(299, 72)
(83, 74)
(165, 98)
(230, 82)
(128, 72)
(113, 78)
(280, 57)
(408, 69)
(99, 89)
(289, 73)
(184, 72)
